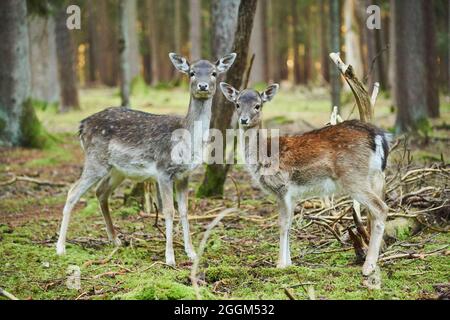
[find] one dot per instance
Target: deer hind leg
(88, 178)
(166, 191)
(181, 188)
(106, 187)
(377, 215)
(285, 205)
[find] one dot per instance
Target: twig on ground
(201, 249)
(8, 295)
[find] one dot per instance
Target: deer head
(202, 73)
(248, 103)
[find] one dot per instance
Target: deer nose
(244, 121)
(202, 86)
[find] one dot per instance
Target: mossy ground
(240, 258)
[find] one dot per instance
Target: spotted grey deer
(349, 157)
(122, 143)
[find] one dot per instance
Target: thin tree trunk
(307, 71)
(324, 42)
(432, 59)
(124, 52)
(94, 49)
(154, 39)
(134, 55)
(370, 37)
(195, 29)
(410, 65)
(295, 42)
(257, 47)
(44, 72)
(270, 42)
(335, 46)
(352, 44)
(65, 49)
(216, 173)
(19, 125)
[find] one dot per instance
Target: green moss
(162, 289)
(33, 134)
(213, 182)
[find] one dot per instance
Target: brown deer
(349, 157)
(122, 143)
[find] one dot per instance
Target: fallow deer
(122, 143)
(349, 157)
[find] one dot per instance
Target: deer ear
(270, 92)
(225, 62)
(229, 92)
(179, 62)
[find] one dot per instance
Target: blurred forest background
(51, 77)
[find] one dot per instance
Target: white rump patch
(377, 159)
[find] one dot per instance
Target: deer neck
(199, 113)
(250, 148)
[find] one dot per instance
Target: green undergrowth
(239, 262)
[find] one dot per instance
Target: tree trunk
(372, 61)
(66, 64)
(271, 73)
(352, 43)
(410, 65)
(154, 39)
(19, 125)
(124, 51)
(335, 46)
(195, 29)
(107, 43)
(325, 65)
(307, 62)
(432, 59)
(44, 72)
(257, 46)
(93, 38)
(134, 55)
(296, 42)
(216, 173)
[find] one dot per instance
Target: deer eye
(214, 74)
(257, 107)
(237, 106)
(192, 73)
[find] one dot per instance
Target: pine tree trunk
(257, 46)
(134, 55)
(352, 43)
(370, 37)
(325, 65)
(335, 46)
(93, 38)
(216, 174)
(19, 125)
(154, 39)
(410, 65)
(432, 59)
(44, 70)
(124, 52)
(295, 42)
(65, 50)
(307, 61)
(195, 29)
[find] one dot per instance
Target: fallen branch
(201, 249)
(8, 295)
(32, 180)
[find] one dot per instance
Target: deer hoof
(117, 242)
(368, 268)
(60, 249)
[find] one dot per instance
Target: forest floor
(241, 253)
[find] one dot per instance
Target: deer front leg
(181, 188)
(166, 191)
(285, 220)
